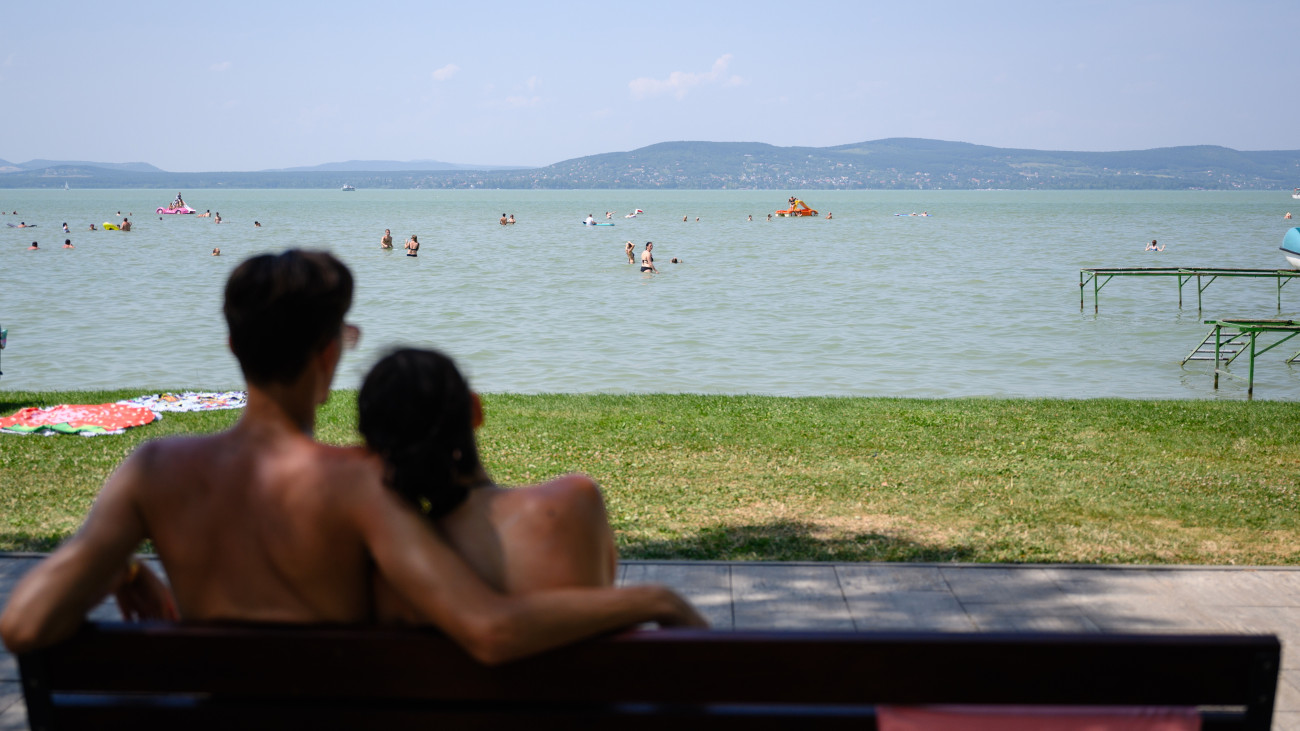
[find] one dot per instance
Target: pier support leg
(1250, 385)
(1217, 330)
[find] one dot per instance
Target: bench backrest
(240, 676)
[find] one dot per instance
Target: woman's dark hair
(416, 411)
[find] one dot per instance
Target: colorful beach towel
(190, 401)
(85, 419)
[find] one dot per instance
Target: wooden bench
(143, 676)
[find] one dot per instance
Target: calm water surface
(979, 299)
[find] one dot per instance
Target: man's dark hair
(417, 413)
(284, 308)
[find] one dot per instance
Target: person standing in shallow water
(412, 246)
(630, 249)
(648, 259)
(386, 241)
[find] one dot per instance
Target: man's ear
(476, 410)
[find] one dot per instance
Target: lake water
(979, 299)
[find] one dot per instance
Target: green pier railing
(1230, 338)
(1204, 276)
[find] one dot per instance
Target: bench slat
(343, 667)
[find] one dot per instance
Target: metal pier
(1230, 338)
(1204, 276)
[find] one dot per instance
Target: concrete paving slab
(977, 585)
(1099, 581)
(929, 611)
(707, 586)
(1281, 621)
(14, 718)
(869, 578)
(1217, 587)
(788, 597)
(1143, 614)
(1286, 721)
(1014, 618)
(10, 693)
(1288, 691)
(892, 598)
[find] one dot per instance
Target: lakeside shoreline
(692, 477)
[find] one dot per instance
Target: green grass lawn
(852, 479)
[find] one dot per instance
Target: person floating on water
(216, 252)
(257, 224)
(67, 244)
(34, 247)
(1287, 216)
(65, 227)
(92, 228)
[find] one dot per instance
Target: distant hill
(890, 164)
(134, 167)
(389, 166)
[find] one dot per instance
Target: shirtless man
(261, 523)
(503, 219)
(648, 259)
(386, 241)
(126, 225)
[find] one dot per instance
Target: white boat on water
(348, 187)
(1296, 193)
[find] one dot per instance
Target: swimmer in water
(412, 246)
(67, 244)
(34, 247)
(512, 218)
(503, 220)
(216, 252)
(648, 259)
(1287, 216)
(630, 248)
(386, 241)
(256, 224)
(92, 228)
(675, 260)
(1152, 246)
(65, 225)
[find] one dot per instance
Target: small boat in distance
(347, 187)
(1296, 193)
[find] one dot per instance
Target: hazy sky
(256, 85)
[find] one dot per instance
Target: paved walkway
(945, 597)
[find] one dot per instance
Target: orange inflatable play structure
(797, 208)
